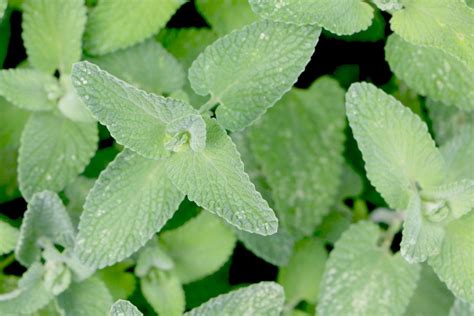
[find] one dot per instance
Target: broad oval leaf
(444, 24)
(53, 151)
(264, 298)
(147, 66)
(342, 17)
(458, 153)
(453, 264)
(116, 24)
(122, 307)
(143, 122)
(45, 218)
(431, 72)
(29, 89)
(199, 247)
(30, 296)
(131, 201)
(89, 297)
(250, 69)
(363, 279)
(299, 144)
(215, 179)
(398, 151)
(52, 32)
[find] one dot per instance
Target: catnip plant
(156, 156)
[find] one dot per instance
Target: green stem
(7, 261)
(391, 232)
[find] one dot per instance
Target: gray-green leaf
(215, 179)
(45, 218)
(53, 151)
(164, 292)
(148, 124)
(124, 308)
(264, 298)
(9, 238)
(247, 71)
(131, 201)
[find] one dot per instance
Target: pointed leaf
(431, 72)
(302, 276)
(52, 33)
(342, 17)
(307, 128)
(131, 201)
(199, 247)
(215, 180)
(29, 89)
(164, 292)
(121, 307)
(247, 71)
(9, 236)
(364, 279)
(46, 217)
(53, 151)
(145, 123)
(147, 66)
(422, 238)
(119, 24)
(397, 149)
(264, 298)
(452, 265)
(443, 24)
(86, 298)
(225, 16)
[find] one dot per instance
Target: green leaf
(225, 16)
(121, 308)
(3, 7)
(153, 256)
(131, 201)
(29, 89)
(45, 218)
(443, 24)
(448, 121)
(9, 237)
(457, 250)
(275, 249)
(247, 71)
(76, 193)
(86, 298)
(458, 197)
(119, 24)
(148, 124)
(342, 17)
(53, 151)
(303, 274)
(461, 308)
(164, 292)
(422, 237)
(431, 296)
(30, 296)
(71, 105)
(215, 179)
(307, 128)
(363, 279)
(398, 151)
(264, 298)
(52, 33)
(199, 247)
(186, 43)
(458, 153)
(388, 5)
(147, 66)
(120, 283)
(431, 72)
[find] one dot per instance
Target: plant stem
(391, 232)
(7, 261)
